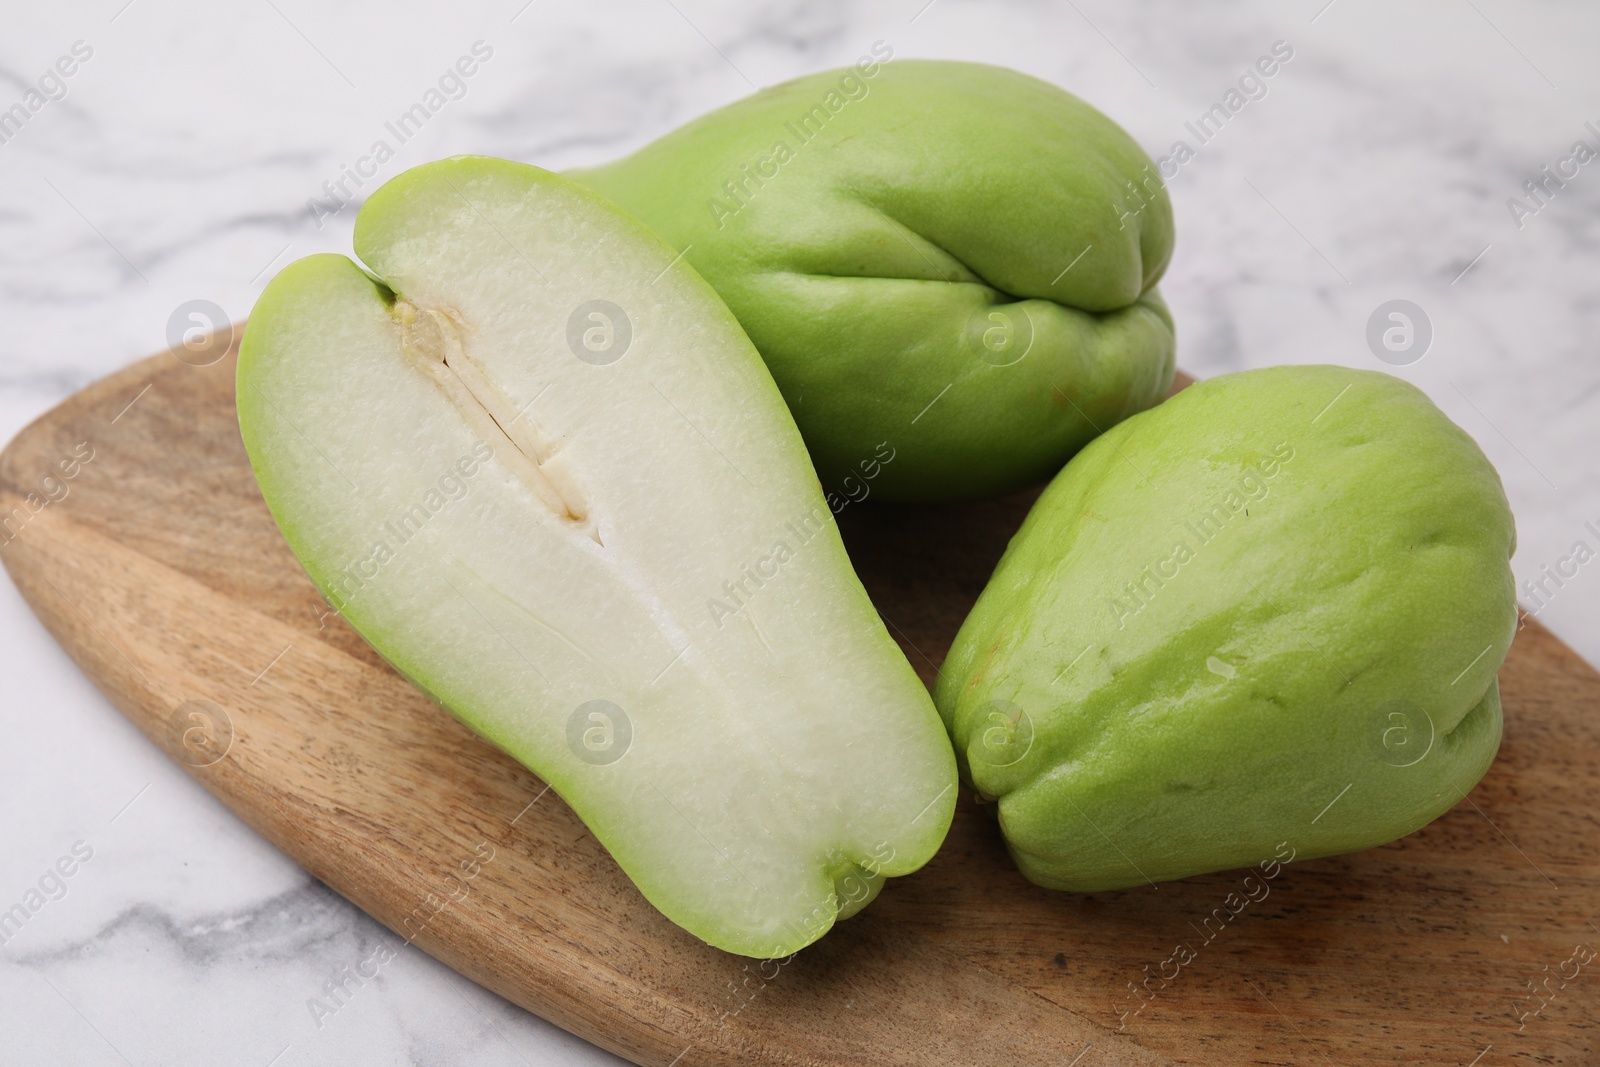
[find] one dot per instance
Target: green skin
(900, 259)
(1315, 665)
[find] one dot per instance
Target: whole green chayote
(949, 268)
(1271, 610)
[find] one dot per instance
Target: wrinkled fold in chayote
(949, 263)
(1271, 610)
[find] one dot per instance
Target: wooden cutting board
(162, 574)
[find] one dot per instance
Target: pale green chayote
(950, 263)
(1270, 610)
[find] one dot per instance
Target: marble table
(182, 151)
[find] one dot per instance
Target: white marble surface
(178, 166)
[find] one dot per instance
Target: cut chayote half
(1270, 610)
(946, 263)
(531, 458)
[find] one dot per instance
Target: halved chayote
(1270, 610)
(947, 263)
(535, 463)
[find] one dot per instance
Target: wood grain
(161, 572)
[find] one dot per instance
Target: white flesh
(621, 543)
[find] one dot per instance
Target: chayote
(948, 264)
(1269, 611)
